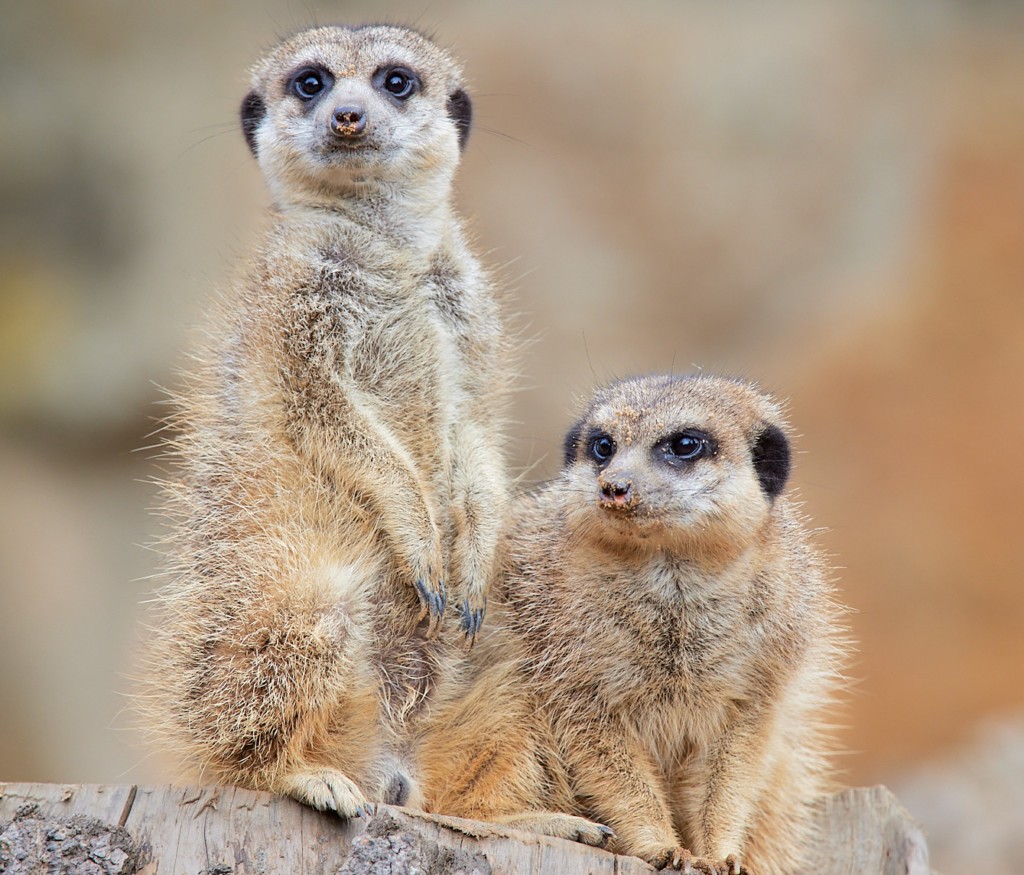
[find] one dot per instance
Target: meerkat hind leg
(326, 790)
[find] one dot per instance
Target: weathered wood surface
(230, 831)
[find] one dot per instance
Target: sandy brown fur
(336, 446)
(488, 752)
(684, 642)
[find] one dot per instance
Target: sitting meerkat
(680, 633)
(338, 476)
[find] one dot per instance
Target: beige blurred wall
(826, 197)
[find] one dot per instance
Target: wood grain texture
(231, 831)
(867, 830)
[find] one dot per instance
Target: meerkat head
(688, 463)
(334, 111)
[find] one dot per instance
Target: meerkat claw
(424, 596)
(432, 604)
(466, 623)
(472, 620)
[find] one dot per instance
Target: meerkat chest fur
(677, 625)
(676, 658)
(363, 314)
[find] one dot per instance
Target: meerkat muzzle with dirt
(337, 475)
(679, 629)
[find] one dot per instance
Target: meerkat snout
(348, 121)
(616, 492)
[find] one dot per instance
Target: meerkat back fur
(338, 475)
(679, 628)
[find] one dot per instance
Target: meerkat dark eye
(400, 83)
(687, 446)
(307, 84)
(602, 448)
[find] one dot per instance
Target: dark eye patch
(571, 444)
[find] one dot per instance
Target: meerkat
(338, 473)
(680, 632)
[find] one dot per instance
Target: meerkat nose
(348, 121)
(617, 494)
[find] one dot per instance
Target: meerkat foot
(670, 858)
(473, 611)
(729, 866)
(733, 866)
(561, 826)
(433, 600)
(684, 861)
(328, 790)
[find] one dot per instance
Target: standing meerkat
(338, 474)
(680, 632)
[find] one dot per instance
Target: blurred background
(827, 197)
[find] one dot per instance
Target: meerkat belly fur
(679, 629)
(337, 478)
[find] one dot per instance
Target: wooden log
(120, 830)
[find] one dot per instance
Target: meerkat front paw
(472, 566)
(327, 790)
(430, 590)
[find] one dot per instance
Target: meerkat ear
(771, 460)
(460, 108)
(571, 444)
(252, 111)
